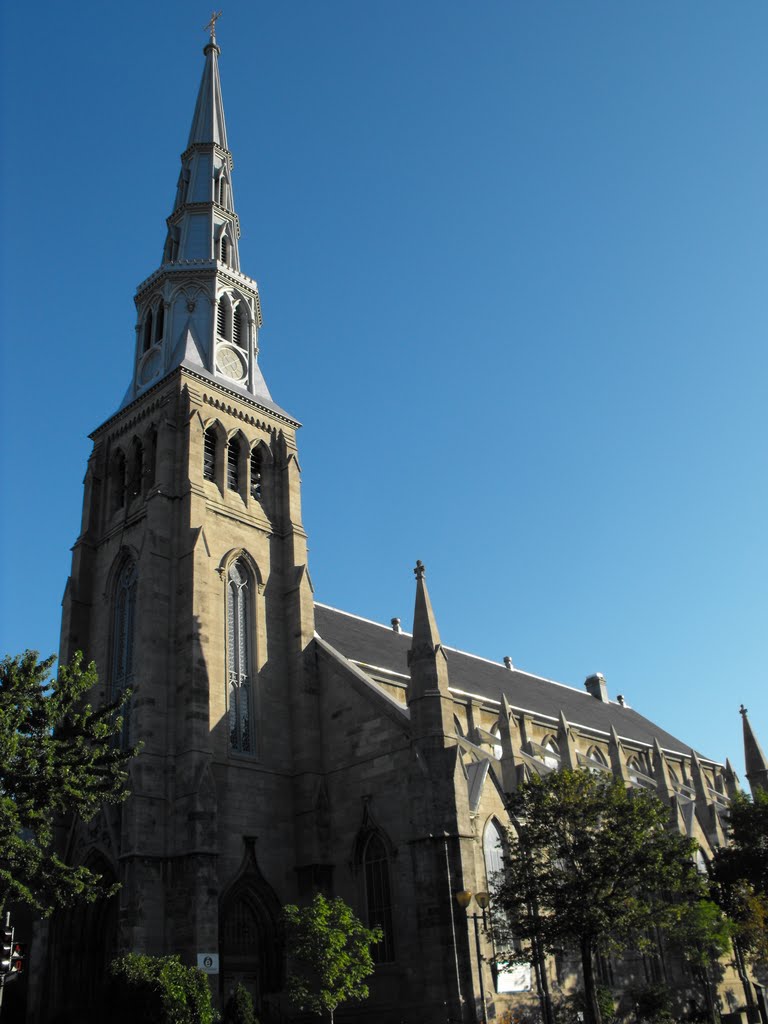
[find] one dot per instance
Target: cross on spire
(211, 26)
(419, 570)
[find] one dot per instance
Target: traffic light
(18, 957)
(6, 953)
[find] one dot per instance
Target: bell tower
(189, 585)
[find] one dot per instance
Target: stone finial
(743, 711)
(508, 663)
(396, 627)
(419, 570)
(755, 761)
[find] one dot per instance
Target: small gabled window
(209, 454)
(233, 465)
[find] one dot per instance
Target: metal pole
(475, 918)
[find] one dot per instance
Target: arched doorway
(83, 943)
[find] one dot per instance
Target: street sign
(208, 962)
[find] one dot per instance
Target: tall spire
(755, 761)
(208, 121)
(198, 310)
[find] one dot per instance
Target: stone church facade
(288, 746)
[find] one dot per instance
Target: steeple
(198, 310)
(755, 761)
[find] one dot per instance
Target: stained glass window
(377, 893)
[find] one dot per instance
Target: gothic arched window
(224, 249)
(223, 321)
(148, 331)
(377, 896)
(257, 462)
(240, 326)
(117, 481)
(160, 323)
(552, 759)
(209, 454)
(123, 630)
(239, 657)
(493, 855)
(233, 465)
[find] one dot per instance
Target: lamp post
(463, 898)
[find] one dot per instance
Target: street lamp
(463, 898)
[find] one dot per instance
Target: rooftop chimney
(596, 686)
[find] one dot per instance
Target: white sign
(514, 978)
(208, 962)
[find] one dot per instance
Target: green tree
(239, 1007)
(703, 934)
(160, 989)
(329, 952)
(740, 876)
(590, 866)
(58, 756)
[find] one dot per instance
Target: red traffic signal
(18, 956)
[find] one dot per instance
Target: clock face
(230, 362)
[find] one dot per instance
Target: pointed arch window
(378, 896)
(257, 462)
(233, 465)
(596, 755)
(223, 314)
(160, 322)
(222, 190)
(148, 331)
(552, 758)
(123, 629)
(493, 855)
(117, 481)
(239, 657)
(137, 468)
(224, 249)
(209, 454)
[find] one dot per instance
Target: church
(287, 746)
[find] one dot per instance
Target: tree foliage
(329, 952)
(58, 756)
(593, 867)
(160, 989)
(740, 874)
(239, 1007)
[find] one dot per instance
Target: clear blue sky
(512, 258)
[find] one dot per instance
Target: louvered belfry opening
(256, 468)
(233, 465)
(209, 454)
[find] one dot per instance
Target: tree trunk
(709, 1002)
(591, 1007)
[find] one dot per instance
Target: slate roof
(379, 647)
